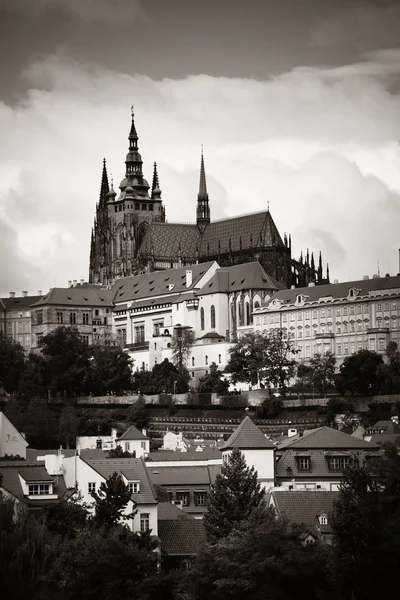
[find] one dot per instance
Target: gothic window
(202, 318)
(256, 304)
(247, 313)
(233, 316)
(240, 308)
(212, 311)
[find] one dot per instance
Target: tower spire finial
(203, 208)
(155, 187)
(203, 184)
(104, 188)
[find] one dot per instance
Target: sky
(296, 102)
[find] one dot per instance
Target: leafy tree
(360, 373)
(33, 382)
(390, 371)
(109, 370)
(164, 376)
(234, 496)
(323, 371)
(111, 502)
(213, 382)
(66, 518)
(181, 344)
(270, 408)
(106, 563)
(35, 420)
(118, 452)
(304, 374)
(68, 427)
(268, 359)
(12, 363)
(263, 558)
(66, 356)
(138, 415)
(25, 551)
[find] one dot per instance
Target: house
(341, 318)
(316, 459)
(87, 475)
(175, 441)
(31, 483)
(312, 510)
(134, 441)
(99, 442)
(187, 486)
(258, 451)
(12, 442)
(181, 536)
(15, 317)
(383, 432)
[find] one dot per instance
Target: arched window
(212, 310)
(202, 318)
(247, 306)
(240, 310)
(233, 316)
(256, 304)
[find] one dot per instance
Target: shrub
(270, 407)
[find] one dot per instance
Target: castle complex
(131, 235)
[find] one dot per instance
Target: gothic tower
(203, 207)
(121, 221)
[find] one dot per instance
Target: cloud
(319, 144)
(114, 12)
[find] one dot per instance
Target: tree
(262, 358)
(263, 558)
(111, 502)
(68, 427)
(118, 452)
(25, 551)
(304, 374)
(66, 356)
(66, 518)
(32, 383)
(360, 373)
(390, 371)
(12, 363)
(323, 371)
(270, 408)
(109, 370)
(234, 496)
(137, 414)
(182, 341)
(164, 376)
(213, 382)
(35, 420)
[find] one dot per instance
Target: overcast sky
(297, 103)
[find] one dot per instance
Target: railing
(138, 346)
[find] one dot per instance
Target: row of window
(328, 312)
(200, 498)
(206, 360)
(212, 318)
(121, 207)
(71, 317)
(335, 463)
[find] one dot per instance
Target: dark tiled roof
(384, 426)
(131, 468)
(183, 475)
(303, 508)
(174, 456)
(166, 511)
(77, 296)
(247, 276)
(385, 438)
(157, 283)
(183, 537)
(340, 290)
(19, 302)
(287, 464)
(132, 434)
(256, 230)
(32, 454)
(326, 438)
(247, 436)
(169, 240)
(30, 472)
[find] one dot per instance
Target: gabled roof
(133, 433)
(132, 469)
(326, 438)
(181, 535)
(167, 511)
(288, 467)
(247, 436)
(208, 453)
(19, 302)
(255, 230)
(157, 283)
(30, 472)
(247, 276)
(183, 476)
(77, 296)
(385, 426)
(303, 508)
(340, 290)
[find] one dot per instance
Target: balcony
(328, 335)
(378, 330)
(192, 304)
(138, 346)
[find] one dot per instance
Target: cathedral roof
(169, 240)
(255, 230)
(247, 436)
(158, 283)
(247, 276)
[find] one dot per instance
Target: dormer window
(133, 487)
(39, 489)
(323, 519)
(303, 462)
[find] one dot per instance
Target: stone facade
(15, 317)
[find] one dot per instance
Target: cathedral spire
(104, 188)
(320, 267)
(203, 207)
(133, 160)
(155, 187)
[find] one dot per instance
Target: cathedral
(131, 235)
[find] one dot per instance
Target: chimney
(75, 281)
(375, 276)
(39, 292)
(81, 281)
(189, 277)
(12, 294)
(365, 277)
(292, 287)
(24, 294)
(69, 283)
(311, 284)
(336, 281)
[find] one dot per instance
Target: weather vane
(132, 110)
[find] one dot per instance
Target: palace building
(131, 234)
